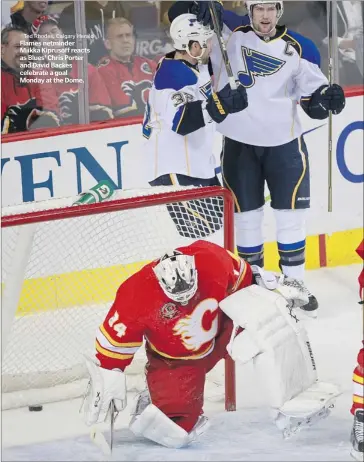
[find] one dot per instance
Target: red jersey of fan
(67, 93)
(15, 93)
(128, 83)
(172, 330)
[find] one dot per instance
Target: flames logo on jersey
(257, 64)
(68, 106)
(138, 92)
(200, 326)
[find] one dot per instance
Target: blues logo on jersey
(206, 90)
(257, 64)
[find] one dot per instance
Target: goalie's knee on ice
(154, 425)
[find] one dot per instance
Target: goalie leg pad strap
(278, 342)
(154, 425)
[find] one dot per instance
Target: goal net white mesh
(60, 276)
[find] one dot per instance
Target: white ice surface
(57, 433)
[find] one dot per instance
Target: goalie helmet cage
(61, 267)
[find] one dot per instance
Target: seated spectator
(23, 105)
(128, 77)
(351, 42)
(96, 14)
(350, 20)
(27, 12)
(67, 92)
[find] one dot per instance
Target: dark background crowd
(126, 39)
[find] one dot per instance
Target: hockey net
(61, 267)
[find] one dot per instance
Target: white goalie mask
(185, 28)
(177, 276)
(251, 4)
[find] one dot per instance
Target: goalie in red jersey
(357, 409)
(178, 305)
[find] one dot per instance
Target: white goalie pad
(307, 408)
(154, 425)
(275, 338)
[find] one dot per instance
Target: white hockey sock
(249, 236)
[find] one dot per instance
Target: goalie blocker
(277, 342)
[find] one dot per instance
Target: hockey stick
(99, 438)
(222, 46)
(330, 72)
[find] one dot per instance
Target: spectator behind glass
(23, 105)
(67, 92)
(358, 46)
(25, 16)
(128, 77)
(97, 14)
(351, 43)
(349, 25)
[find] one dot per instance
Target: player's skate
(307, 408)
(357, 436)
(309, 308)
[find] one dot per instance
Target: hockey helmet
(177, 276)
(251, 4)
(185, 28)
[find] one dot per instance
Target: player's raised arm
(200, 8)
(317, 96)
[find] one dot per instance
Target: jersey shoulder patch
(174, 74)
(105, 61)
(308, 50)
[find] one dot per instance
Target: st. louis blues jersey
(167, 149)
(276, 73)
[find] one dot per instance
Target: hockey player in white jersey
(180, 123)
(279, 68)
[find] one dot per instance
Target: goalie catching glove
(104, 387)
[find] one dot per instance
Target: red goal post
(53, 252)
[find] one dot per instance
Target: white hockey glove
(104, 387)
(293, 290)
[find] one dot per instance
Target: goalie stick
(222, 45)
(98, 437)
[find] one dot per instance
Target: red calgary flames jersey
(14, 93)
(128, 83)
(67, 93)
(173, 330)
